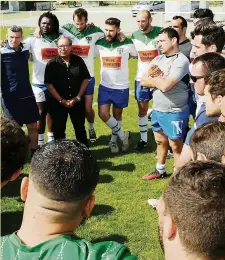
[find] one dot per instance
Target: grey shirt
(185, 47)
(176, 67)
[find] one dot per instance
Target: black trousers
(59, 115)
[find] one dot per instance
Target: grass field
(121, 212)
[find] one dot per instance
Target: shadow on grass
(115, 237)
(105, 178)
(103, 153)
(12, 189)
(129, 167)
(10, 222)
(102, 210)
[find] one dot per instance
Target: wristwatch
(78, 98)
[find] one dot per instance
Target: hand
(145, 80)
(72, 102)
(66, 103)
(90, 25)
(3, 43)
(121, 37)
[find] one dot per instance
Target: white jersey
(84, 43)
(114, 62)
(42, 50)
(145, 44)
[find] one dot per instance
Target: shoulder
(68, 26)
(101, 42)
(156, 29)
(76, 58)
(95, 29)
(182, 58)
(136, 34)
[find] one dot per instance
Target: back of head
(216, 83)
(171, 33)
(203, 13)
(211, 34)
(195, 200)
(64, 170)
(113, 21)
(209, 140)
(211, 61)
(14, 148)
(80, 13)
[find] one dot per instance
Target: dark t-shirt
(185, 47)
(66, 80)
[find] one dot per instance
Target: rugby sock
(143, 125)
(113, 124)
(114, 134)
(50, 136)
(160, 168)
(90, 126)
(41, 140)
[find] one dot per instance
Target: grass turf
(121, 212)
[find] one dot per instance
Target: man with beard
(42, 49)
(144, 41)
(191, 213)
(168, 75)
(114, 85)
(84, 38)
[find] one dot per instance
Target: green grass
(121, 212)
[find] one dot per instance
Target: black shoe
(140, 146)
(92, 135)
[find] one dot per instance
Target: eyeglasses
(63, 46)
(195, 78)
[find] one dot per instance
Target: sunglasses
(195, 78)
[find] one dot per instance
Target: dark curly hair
(53, 18)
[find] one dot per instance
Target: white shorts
(39, 94)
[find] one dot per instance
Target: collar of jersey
(50, 37)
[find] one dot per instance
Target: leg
(142, 95)
(42, 107)
(33, 134)
(117, 113)
(89, 111)
(59, 116)
(176, 146)
(77, 116)
(50, 131)
(185, 156)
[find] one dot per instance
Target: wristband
(78, 98)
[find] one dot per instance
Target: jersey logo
(147, 55)
(111, 62)
(177, 127)
(80, 50)
(120, 50)
(88, 39)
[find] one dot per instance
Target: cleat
(113, 147)
(92, 135)
(140, 146)
(154, 175)
(126, 141)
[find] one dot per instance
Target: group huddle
(183, 78)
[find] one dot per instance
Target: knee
(176, 147)
(32, 126)
(88, 109)
(162, 142)
(142, 112)
(103, 115)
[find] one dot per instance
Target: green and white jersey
(146, 47)
(64, 247)
(42, 49)
(84, 43)
(114, 58)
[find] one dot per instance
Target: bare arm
(163, 84)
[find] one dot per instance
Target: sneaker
(92, 135)
(126, 141)
(140, 146)
(153, 203)
(154, 175)
(113, 147)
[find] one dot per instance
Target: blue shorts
(90, 87)
(23, 111)
(142, 94)
(118, 97)
(173, 125)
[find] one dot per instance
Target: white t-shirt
(114, 62)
